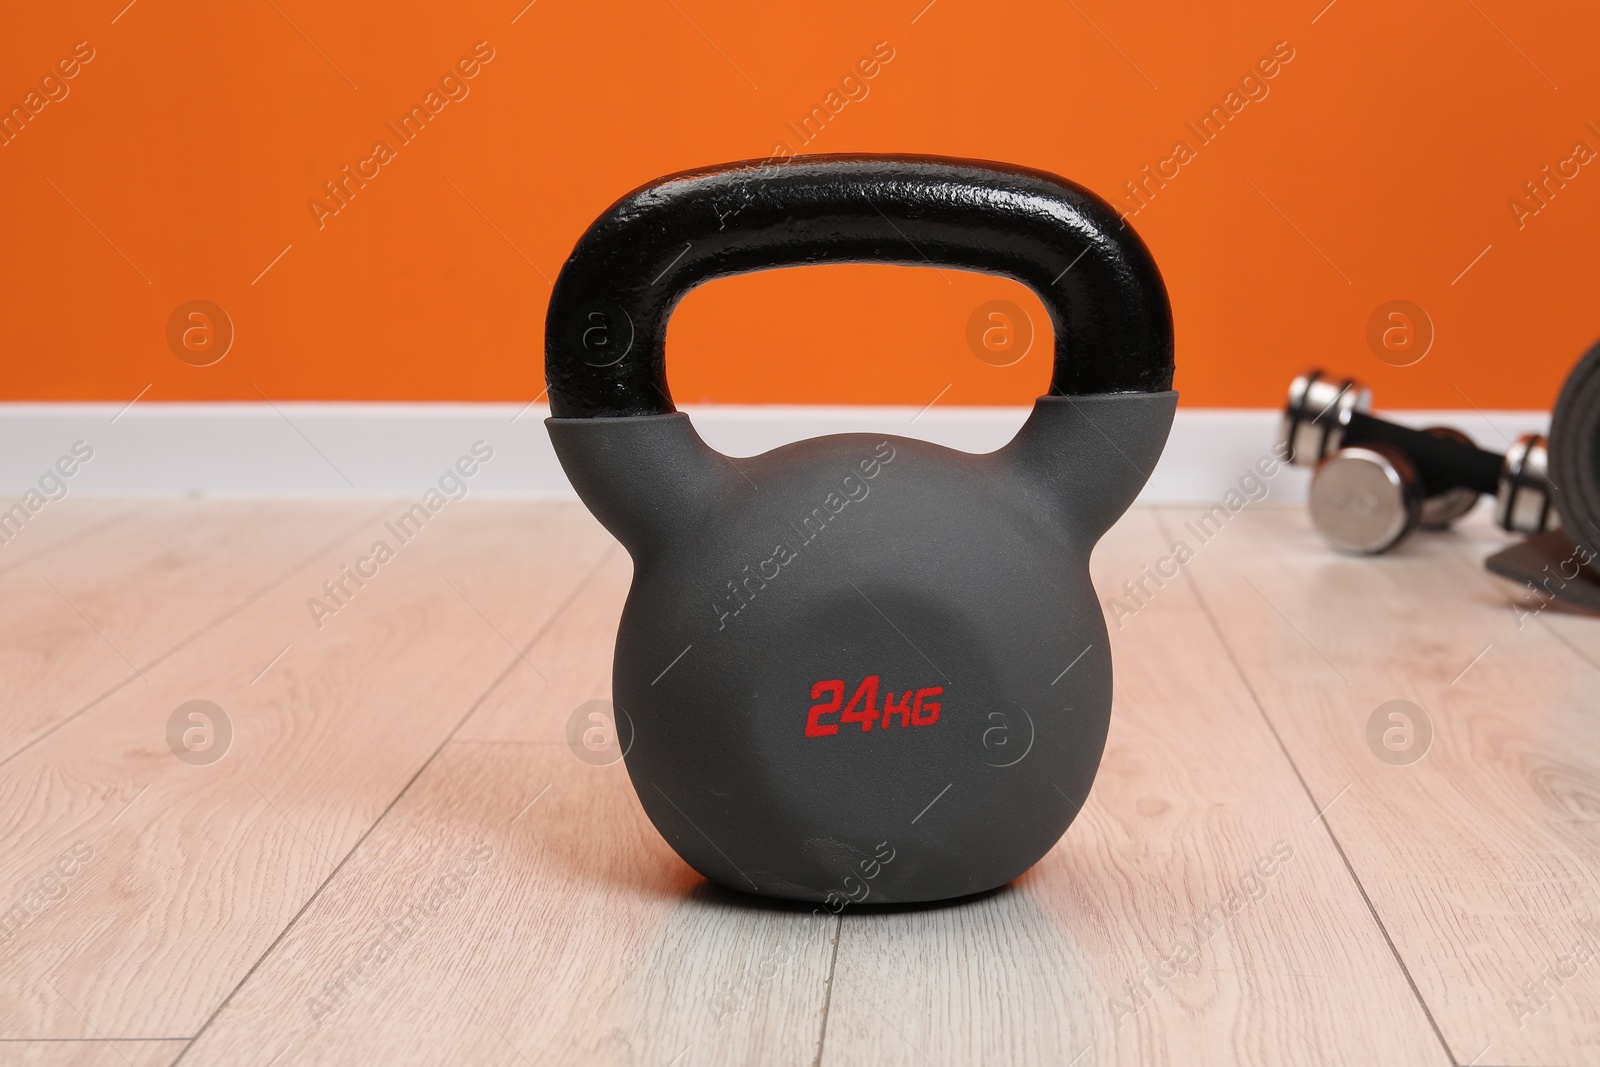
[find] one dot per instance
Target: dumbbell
(1376, 480)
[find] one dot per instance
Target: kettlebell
(860, 668)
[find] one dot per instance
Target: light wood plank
(89, 1053)
(600, 945)
(575, 654)
(1481, 857)
(1578, 628)
(584, 939)
(197, 869)
(62, 524)
(86, 617)
(1066, 965)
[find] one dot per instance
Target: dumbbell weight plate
(1440, 512)
(1442, 509)
(1524, 503)
(1315, 416)
(1365, 499)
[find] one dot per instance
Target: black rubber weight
(605, 332)
(1575, 452)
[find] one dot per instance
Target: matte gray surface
(938, 569)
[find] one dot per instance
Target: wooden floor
(399, 860)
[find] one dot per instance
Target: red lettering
(902, 708)
(868, 714)
(914, 707)
(932, 708)
(814, 725)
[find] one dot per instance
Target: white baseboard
(399, 449)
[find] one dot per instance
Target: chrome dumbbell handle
(1445, 507)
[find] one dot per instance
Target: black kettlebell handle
(605, 334)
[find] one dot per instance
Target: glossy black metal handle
(605, 333)
(1442, 462)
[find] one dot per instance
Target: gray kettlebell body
(860, 667)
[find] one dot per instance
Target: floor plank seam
(555, 615)
(74, 538)
(83, 1040)
(1498, 585)
(1238, 668)
(1565, 640)
(189, 639)
(827, 999)
(500, 741)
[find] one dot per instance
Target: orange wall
(1379, 165)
